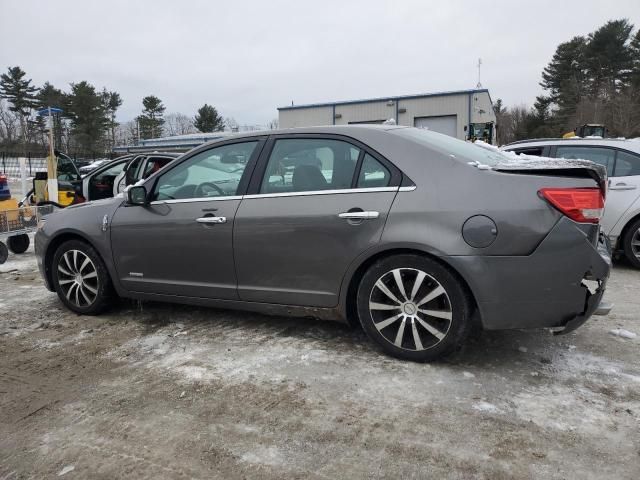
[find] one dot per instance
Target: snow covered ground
(171, 391)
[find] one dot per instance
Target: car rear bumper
(558, 285)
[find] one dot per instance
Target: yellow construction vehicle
(588, 130)
(68, 183)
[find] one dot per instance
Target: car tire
(414, 308)
(80, 278)
(631, 244)
(19, 243)
(4, 253)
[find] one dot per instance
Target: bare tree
(178, 124)
(273, 124)
(9, 125)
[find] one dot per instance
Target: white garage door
(446, 124)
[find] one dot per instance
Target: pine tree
(111, 101)
(608, 58)
(151, 120)
(20, 94)
(566, 77)
(208, 120)
(85, 108)
(50, 96)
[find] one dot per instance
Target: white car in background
(621, 221)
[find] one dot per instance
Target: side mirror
(137, 195)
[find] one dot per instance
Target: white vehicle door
(624, 189)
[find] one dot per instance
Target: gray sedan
(413, 234)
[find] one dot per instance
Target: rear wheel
(80, 278)
(4, 253)
(19, 243)
(414, 307)
(631, 244)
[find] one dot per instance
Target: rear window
(452, 146)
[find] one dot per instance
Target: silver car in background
(621, 158)
(413, 234)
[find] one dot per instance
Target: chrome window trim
(193, 200)
(288, 194)
(322, 192)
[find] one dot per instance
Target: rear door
(623, 184)
(315, 203)
(624, 187)
(181, 243)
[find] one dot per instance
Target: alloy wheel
(78, 278)
(635, 244)
(410, 309)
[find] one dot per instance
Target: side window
(153, 165)
(535, 151)
(309, 164)
(109, 175)
(627, 164)
(603, 156)
(373, 174)
(66, 170)
(212, 173)
(130, 175)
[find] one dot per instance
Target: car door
(624, 188)
(99, 183)
(181, 242)
(314, 205)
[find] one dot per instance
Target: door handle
(211, 220)
(359, 215)
(622, 186)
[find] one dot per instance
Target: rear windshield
(452, 146)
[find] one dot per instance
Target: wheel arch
(625, 229)
(348, 300)
(58, 240)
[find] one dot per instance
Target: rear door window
(627, 164)
(373, 174)
(602, 155)
(309, 164)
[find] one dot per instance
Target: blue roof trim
(386, 99)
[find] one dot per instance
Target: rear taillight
(584, 205)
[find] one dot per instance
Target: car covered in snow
(413, 234)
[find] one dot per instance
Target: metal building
(464, 114)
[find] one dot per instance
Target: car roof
(632, 145)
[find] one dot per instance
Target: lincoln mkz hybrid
(414, 234)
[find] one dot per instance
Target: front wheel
(413, 307)
(631, 244)
(80, 278)
(18, 243)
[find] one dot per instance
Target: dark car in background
(413, 233)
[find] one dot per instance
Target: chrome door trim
(323, 192)
(288, 194)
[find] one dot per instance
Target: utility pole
(52, 164)
(479, 85)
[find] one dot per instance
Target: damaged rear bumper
(548, 288)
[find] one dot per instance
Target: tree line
(590, 79)
(87, 122)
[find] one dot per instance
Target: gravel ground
(169, 391)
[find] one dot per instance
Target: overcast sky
(247, 58)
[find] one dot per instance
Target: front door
(181, 243)
(319, 203)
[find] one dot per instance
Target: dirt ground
(168, 391)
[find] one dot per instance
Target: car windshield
(452, 146)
